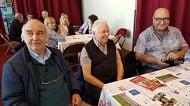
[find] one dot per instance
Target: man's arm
(12, 88)
(146, 58)
(150, 59)
(178, 54)
(120, 70)
(84, 25)
(89, 77)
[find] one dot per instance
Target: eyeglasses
(50, 81)
(160, 19)
(47, 82)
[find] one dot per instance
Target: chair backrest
(121, 32)
(71, 54)
(76, 28)
(132, 67)
(73, 49)
(8, 43)
(4, 38)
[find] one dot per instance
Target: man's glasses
(162, 19)
(50, 81)
(46, 81)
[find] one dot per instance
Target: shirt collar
(166, 32)
(99, 46)
(39, 58)
(97, 43)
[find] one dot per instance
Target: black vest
(104, 66)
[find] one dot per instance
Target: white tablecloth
(174, 84)
(78, 38)
(74, 39)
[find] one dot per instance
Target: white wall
(118, 13)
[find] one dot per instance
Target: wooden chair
(10, 44)
(71, 54)
(76, 29)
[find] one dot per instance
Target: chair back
(76, 28)
(73, 49)
(122, 32)
(8, 43)
(4, 38)
(132, 67)
(71, 54)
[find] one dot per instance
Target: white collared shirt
(40, 58)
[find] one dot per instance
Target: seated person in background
(16, 27)
(15, 31)
(28, 17)
(100, 61)
(65, 26)
(160, 42)
(38, 75)
(86, 28)
(44, 15)
(54, 37)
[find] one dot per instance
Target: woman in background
(54, 37)
(86, 28)
(65, 26)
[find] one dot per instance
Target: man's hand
(76, 100)
(161, 63)
(177, 54)
(172, 55)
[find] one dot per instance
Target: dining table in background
(79, 38)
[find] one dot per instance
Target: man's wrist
(75, 91)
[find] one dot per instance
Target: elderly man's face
(35, 36)
(102, 33)
(161, 19)
(44, 14)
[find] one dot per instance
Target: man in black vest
(101, 62)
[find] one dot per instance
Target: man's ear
(93, 32)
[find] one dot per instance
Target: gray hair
(23, 31)
(95, 25)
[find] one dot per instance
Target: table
(159, 88)
(74, 39)
(78, 38)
